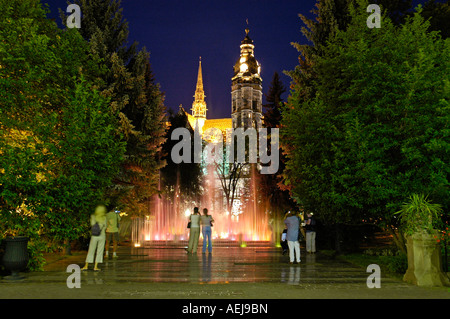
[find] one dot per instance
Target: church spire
(200, 78)
(199, 105)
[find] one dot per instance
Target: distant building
(229, 189)
(246, 112)
(246, 95)
(246, 89)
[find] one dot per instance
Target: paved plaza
(168, 272)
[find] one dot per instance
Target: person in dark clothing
(310, 225)
(283, 242)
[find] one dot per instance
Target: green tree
(83, 163)
(439, 15)
(377, 129)
(183, 179)
(144, 147)
(330, 16)
(57, 138)
(131, 87)
(274, 195)
(274, 99)
(396, 10)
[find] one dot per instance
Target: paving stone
(230, 273)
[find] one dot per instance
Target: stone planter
(16, 256)
(424, 261)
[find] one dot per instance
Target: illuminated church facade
(246, 95)
(246, 112)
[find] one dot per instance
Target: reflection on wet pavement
(224, 265)
(234, 272)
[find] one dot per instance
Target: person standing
(292, 223)
(207, 222)
(112, 231)
(97, 243)
(310, 225)
(194, 232)
(284, 244)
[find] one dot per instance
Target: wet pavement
(231, 273)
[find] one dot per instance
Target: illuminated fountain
(167, 220)
(242, 219)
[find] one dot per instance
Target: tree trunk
(338, 237)
(399, 240)
(67, 247)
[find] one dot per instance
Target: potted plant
(16, 257)
(419, 218)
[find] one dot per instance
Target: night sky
(177, 32)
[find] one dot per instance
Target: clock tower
(246, 88)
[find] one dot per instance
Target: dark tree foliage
(58, 141)
(439, 15)
(184, 179)
(275, 193)
(272, 113)
(377, 129)
(396, 10)
(130, 84)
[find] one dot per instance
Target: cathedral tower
(246, 89)
(199, 105)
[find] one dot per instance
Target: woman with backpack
(97, 243)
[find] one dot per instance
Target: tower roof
(247, 39)
(247, 68)
(200, 77)
(199, 105)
